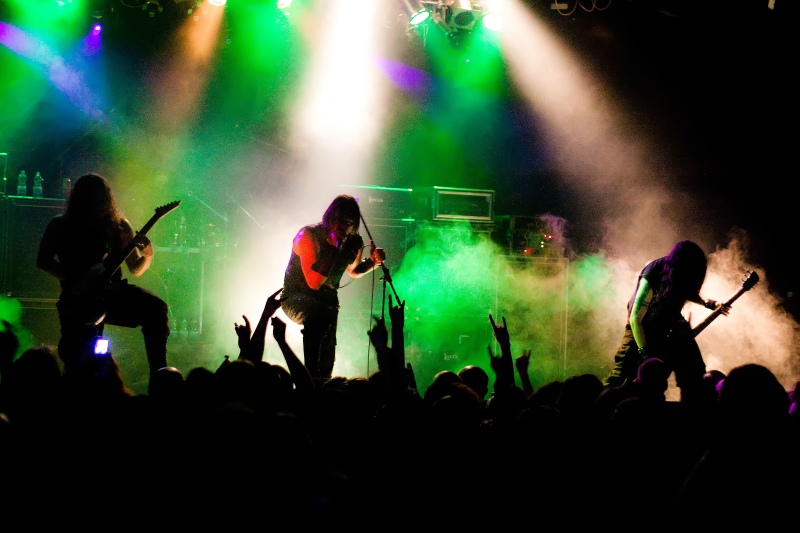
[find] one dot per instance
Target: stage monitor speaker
(24, 222)
(384, 203)
(453, 203)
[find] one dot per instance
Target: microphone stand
(387, 277)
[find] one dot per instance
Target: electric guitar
(87, 300)
(750, 279)
(679, 336)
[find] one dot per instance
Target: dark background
(714, 79)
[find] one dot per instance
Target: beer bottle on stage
(22, 184)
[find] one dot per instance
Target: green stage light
(416, 13)
(419, 17)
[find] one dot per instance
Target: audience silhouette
(368, 447)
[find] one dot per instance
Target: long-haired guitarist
(79, 248)
(656, 326)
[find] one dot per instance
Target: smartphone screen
(101, 346)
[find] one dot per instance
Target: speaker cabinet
(24, 222)
(386, 203)
(452, 203)
(530, 236)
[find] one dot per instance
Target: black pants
(319, 321)
(125, 305)
(678, 350)
(626, 361)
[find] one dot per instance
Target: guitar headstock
(164, 209)
(749, 280)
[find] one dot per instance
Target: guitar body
(88, 306)
(680, 340)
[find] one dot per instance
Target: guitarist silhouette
(656, 326)
(84, 249)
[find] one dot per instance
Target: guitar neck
(114, 262)
(718, 311)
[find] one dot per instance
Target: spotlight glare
(96, 29)
(492, 21)
(218, 3)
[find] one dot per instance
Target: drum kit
(195, 249)
(198, 238)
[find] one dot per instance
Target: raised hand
(397, 313)
(300, 375)
(272, 305)
(278, 330)
(258, 338)
(379, 336)
(523, 361)
(243, 333)
(494, 361)
(503, 366)
(500, 332)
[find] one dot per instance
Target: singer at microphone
(321, 254)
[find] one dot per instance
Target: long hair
(683, 275)
(91, 200)
(343, 209)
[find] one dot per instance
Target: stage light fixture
(459, 18)
(417, 14)
(419, 17)
(152, 7)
